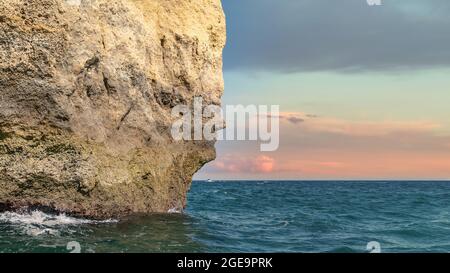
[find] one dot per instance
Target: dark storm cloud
(342, 35)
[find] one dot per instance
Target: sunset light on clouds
(314, 147)
(350, 108)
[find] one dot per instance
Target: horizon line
(327, 180)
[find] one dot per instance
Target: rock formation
(86, 92)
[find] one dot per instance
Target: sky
(364, 91)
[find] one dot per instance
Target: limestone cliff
(86, 91)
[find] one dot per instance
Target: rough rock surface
(86, 91)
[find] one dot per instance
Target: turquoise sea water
(258, 217)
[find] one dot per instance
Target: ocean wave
(36, 222)
(175, 211)
(37, 217)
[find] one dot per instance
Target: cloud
(249, 164)
(312, 123)
(295, 120)
(324, 147)
(330, 35)
(309, 166)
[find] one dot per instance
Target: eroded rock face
(86, 92)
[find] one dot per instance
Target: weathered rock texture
(86, 91)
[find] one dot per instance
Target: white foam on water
(35, 223)
(36, 231)
(174, 210)
(37, 217)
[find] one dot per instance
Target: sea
(257, 216)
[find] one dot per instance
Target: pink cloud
(325, 147)
(242, 164)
